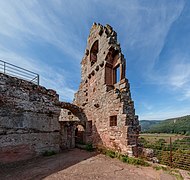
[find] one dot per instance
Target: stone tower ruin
(104, 93)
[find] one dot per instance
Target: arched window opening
(113, 67)
(94, 52)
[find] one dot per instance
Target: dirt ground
(78, 164)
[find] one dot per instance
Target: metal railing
(19, 72)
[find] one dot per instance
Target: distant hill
(180, 125)
(147, 124)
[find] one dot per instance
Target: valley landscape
(169, 139)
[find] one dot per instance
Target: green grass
(176, 174)
(110, 153)
(134, 161)
(170, 171)
(157, 168)
(161, 168)
(152, 138)
(124, 158)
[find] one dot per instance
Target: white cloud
(187, 93)
(142, 28)
(25, 21)
(180, 75)
(49, 77)
(14, 58)
(174, 77)
(146, 105)
(32, 20)
(165, 113)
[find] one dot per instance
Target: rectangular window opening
(113, 120)
(109, 75)
(116, 74)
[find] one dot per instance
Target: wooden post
(136, 142)
(170, 151)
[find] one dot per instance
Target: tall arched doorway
(79, 134)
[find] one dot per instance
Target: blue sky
(49, 37)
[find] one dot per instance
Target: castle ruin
(104, 93)
(33, 120)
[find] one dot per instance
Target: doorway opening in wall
(79, 134)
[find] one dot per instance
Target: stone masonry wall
(33, 120)
(28, 120)
(104, 94)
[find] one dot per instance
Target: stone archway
(74, 109)
(73, 125)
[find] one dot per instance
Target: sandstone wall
(28, 120)
(103, 96)
(32, 120)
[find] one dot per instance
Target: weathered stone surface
(33, 120)
(104, 93)
(28, 120)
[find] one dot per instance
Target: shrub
(124, 159)
(89, 147)
(110, 153)
(49, 153)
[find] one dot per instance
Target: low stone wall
(29, 120)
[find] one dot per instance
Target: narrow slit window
(89, 126)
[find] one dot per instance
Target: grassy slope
(147, 124)
(179, 125)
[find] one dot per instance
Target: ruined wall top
(103, 50)
(107, 32)
(32, 88)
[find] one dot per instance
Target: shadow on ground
(79, 164)
(42, 167)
